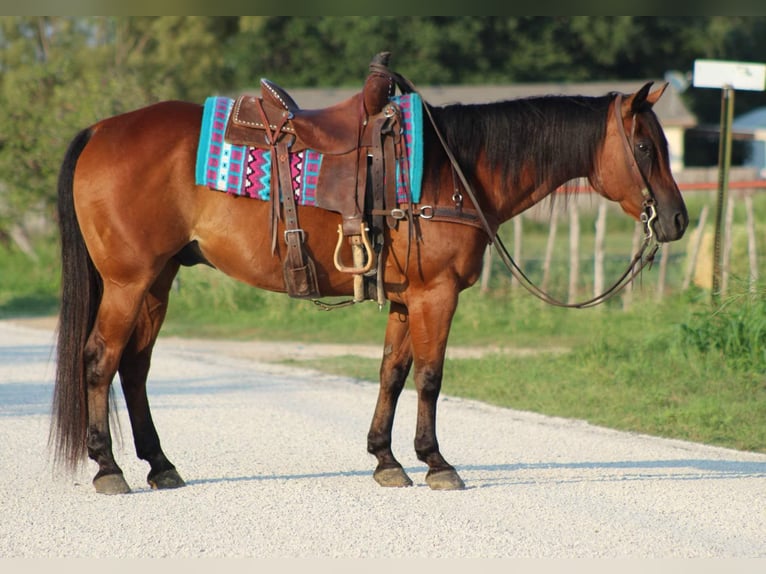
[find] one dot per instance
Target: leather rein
(636, 265)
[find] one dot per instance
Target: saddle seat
(335, 130)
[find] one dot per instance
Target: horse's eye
(644, 148)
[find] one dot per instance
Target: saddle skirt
(246, 171)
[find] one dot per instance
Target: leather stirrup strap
(298, 267)
(293, 233)
(378, 166)
(391, 159)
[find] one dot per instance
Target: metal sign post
(724, 164)
(728, 76)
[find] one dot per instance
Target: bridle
(649, 214)
(648, 217)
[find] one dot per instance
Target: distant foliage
(62, 73)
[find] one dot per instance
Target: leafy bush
(736, 330)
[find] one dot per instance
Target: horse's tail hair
(81, 289)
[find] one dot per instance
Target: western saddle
(361, 143)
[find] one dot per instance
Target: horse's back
(169, 128)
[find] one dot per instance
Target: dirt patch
(279, 351)
(45, 323)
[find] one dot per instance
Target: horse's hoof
(392, 477)
(111, 484)
(166, 479)
(445, 480)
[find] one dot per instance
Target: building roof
(750, 121)
(670, 109)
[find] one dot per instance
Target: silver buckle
(298, 231)
(427, 212)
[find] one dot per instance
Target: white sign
(722, 73)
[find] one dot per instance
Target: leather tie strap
(300, 277)
(272, 137)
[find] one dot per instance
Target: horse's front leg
(394, 368)
(430, 321)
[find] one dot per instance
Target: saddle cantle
(360, 140)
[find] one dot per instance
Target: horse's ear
(656, 94)
(642, 99)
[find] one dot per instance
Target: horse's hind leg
(111, 331)
(397, 360)
(134, 369)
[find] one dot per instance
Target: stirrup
(359, 269)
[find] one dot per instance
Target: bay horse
(131, 214)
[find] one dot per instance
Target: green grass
(676, 368)
(29, 287)
(625, 375)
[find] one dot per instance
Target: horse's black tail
(81, 289)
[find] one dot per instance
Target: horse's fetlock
(377, 442)
(426, 447)
(96, 440)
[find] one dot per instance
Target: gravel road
(276, 466)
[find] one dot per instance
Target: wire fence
(577, 247)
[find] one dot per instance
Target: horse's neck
(506, 200)
(506, 196)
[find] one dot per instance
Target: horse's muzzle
(671, 227)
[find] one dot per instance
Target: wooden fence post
(664, 256)
(691, 265)
(517, 239)
(728, 238)
(549, 249)
(638, 233)
(751, 242)
(598, 261)
(574, 249)
(694, 249)
(486, 269)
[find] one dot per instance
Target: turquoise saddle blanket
(246, 171)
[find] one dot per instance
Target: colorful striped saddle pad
(246, 171)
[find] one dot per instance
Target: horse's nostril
(682, 220)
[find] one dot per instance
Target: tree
(61, 74)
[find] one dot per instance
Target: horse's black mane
(558, 134)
